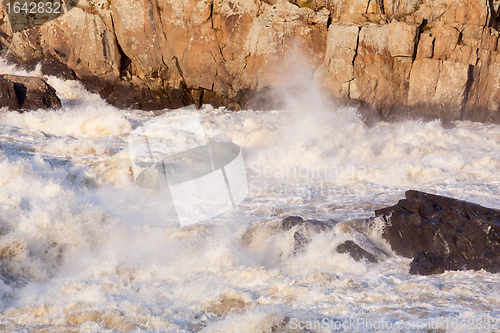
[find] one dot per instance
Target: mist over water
(83, 248)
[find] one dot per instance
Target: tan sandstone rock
(380, 78)
(426, 46)
(399, 57)
(441, 84)
(446, 40)
(402, 39)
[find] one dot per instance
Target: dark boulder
(442, 233)
(429, 263)
(355, 251)
(291, 221)
(300, 242)
(8, 95)
(32, 93)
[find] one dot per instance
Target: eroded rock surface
(27, 93)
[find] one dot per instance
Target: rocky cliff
(399, 58)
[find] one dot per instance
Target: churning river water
(84, 249)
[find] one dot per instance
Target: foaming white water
(89, 121)
(82, 248)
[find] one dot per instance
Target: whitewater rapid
(84, 249)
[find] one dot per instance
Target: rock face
(27, 93)
(400, 58)
(442, 233)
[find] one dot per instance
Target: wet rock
(355, 251)
(291, 221)
(311, 226)
(8, 95)
(443, 233)
(32, 93)
(235, 53)
(443, 83)
(301, 241)
(305, 229)
(428, 263)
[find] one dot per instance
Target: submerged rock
(442, 233)
(355, 251)
(27, 93)
(306, 228)
(8, 95)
